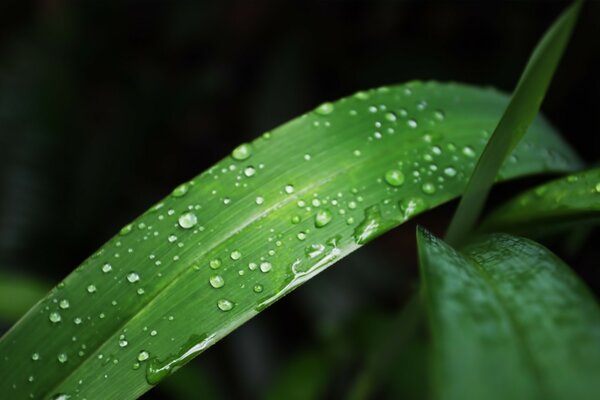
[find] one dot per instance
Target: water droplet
(106, 268)
(259, 200)
(394, 177)
(35, 356)
(172, 238)
(180, 190)
(123, 342)
(217, 281)
(410, 207)
(412, 123)
(439, 115)
(224, 304)
(362, 95)
(62, 358)
(133, 277)
(301, 235)
(450, 171)
(468, 151)
(390, 116)
(125, 230)
(598, 187)
(289, 189)
(265, 266)
(242, 152)
(325, 109)
(307, 157)
(235, 255)
(215, 263)
(143, 356)
(188, 220)
(249, 171)
(428, 188)
(91, 288)
(258, 288)
(64, 304)
(322, 218)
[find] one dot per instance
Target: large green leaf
(520, 113)
(574, 199)
(233, 240)
(509, 320)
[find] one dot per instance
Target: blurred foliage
(82, 84)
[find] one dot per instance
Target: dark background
(105, 106)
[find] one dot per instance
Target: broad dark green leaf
(233, 240)
(520, 113)
(509, 320)
(574, 199)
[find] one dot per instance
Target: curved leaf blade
(574, 199)
(507, 310)
(249, 230)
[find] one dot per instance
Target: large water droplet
(265, 266)
(410, 207)
(217, 281)
(188, 220)
(322, 218)
(325, 109)
(106, 268)
(54, 317)
(242, 152)
(133, 277)
(224, 304)
(394, 177)
(235, 255)
(64, 304)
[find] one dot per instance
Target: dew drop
(217, 281)
(265, 266)
(249, 171)
(450, 171)
(224, 304)
(35, 356)
(64, 304)
(125, 230)
(106, 268)
(235, 255)
(289, 189)
(180, 190)
(143, 356)
(214, 263)
(133, 277)
(188, 220)
(428, 188)
(172, 238)
(91, 288)
(322, 218)
(301, 235)
(394, 177)
(468, 151)
(412, 123)
(325, 109)
(62, 358)
(439, 115)
(390, 116)
(258, 288)
(242, 152)
(259, 200)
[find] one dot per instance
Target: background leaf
(506, 310)
(520, 113)
(562, 203)
(249, 230)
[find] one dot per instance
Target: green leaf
(509, 320)
(520, 113)
(556, 205)
(238, 237)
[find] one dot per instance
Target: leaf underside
(236, 238)
(509, 320)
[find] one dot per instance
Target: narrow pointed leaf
(233, 240)
(520, 113)
(509, 321)
(572, 200)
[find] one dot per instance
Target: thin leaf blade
(279, 210)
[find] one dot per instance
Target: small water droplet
(468, 151)
(412, 123)
(172, 238)
(91, 288)
(35, 356)
(259, 200)
(325, 109)
(450, 171)
(235, 255)
(258, 288)
(301, 235)
(289, 189)
(322, 218)
(439, 115)
(307, 157)
(106, 268)
(390, 116)
(62, 358)
(394, 177)
(242, 152)
(125, 230)
(133, 277)
(428, 188)
(265, 266)
(64, 304)
(597, 187)
(224, 304)
(249, 171)
(188, 220)
(215, 263)
(143, 356)
(180, 190)
(217, 281)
